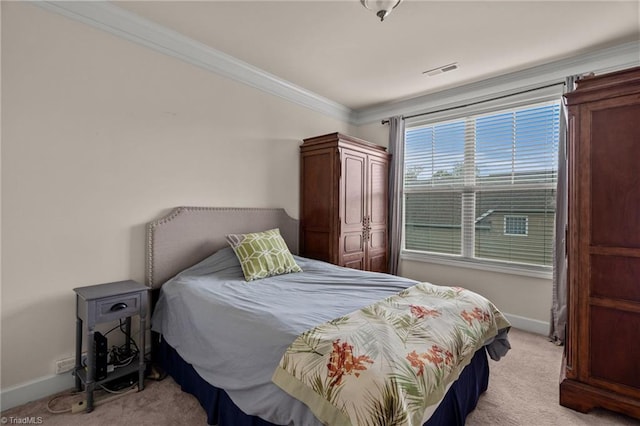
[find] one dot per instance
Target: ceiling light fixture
(382, 8)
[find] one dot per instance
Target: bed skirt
(459, 401)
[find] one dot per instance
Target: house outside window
(475, 185)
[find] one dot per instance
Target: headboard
(188, 235)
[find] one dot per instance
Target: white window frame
(545, 95)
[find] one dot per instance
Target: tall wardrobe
(602, 354)
(344, 202)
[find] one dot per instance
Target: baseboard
(35, 389)
(39, 388)
(528, 324)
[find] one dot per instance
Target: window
(515, 225)
(482, 187)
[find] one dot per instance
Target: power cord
(120, 356)
(56, 398)
(125, 390)
(81, 405)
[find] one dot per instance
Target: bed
(232, 343)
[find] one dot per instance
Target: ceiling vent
(435, 71)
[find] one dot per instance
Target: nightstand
(107, 303)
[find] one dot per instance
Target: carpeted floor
(523, 390)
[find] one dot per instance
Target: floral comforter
(390, 362)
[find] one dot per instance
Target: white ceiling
(341, 51)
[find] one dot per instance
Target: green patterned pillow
(263, 254)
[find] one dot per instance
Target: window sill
(545, 272)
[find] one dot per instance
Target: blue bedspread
(235, 332)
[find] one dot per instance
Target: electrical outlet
(65, 365)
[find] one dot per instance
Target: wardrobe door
(376, 229)
(611, 246)
(352, 208)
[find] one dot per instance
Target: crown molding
(122, 23)
(614, 58)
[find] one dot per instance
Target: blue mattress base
(459, 401)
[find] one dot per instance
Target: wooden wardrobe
(602, 354)
(343, 202)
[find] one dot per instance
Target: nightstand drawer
(117, 307)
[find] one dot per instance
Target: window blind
(483, 186)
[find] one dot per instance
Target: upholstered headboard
(188, 235)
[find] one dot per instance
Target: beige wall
(100, 136)
(374, 132)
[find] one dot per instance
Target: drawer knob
(118, 307)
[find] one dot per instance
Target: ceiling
(341, 51)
